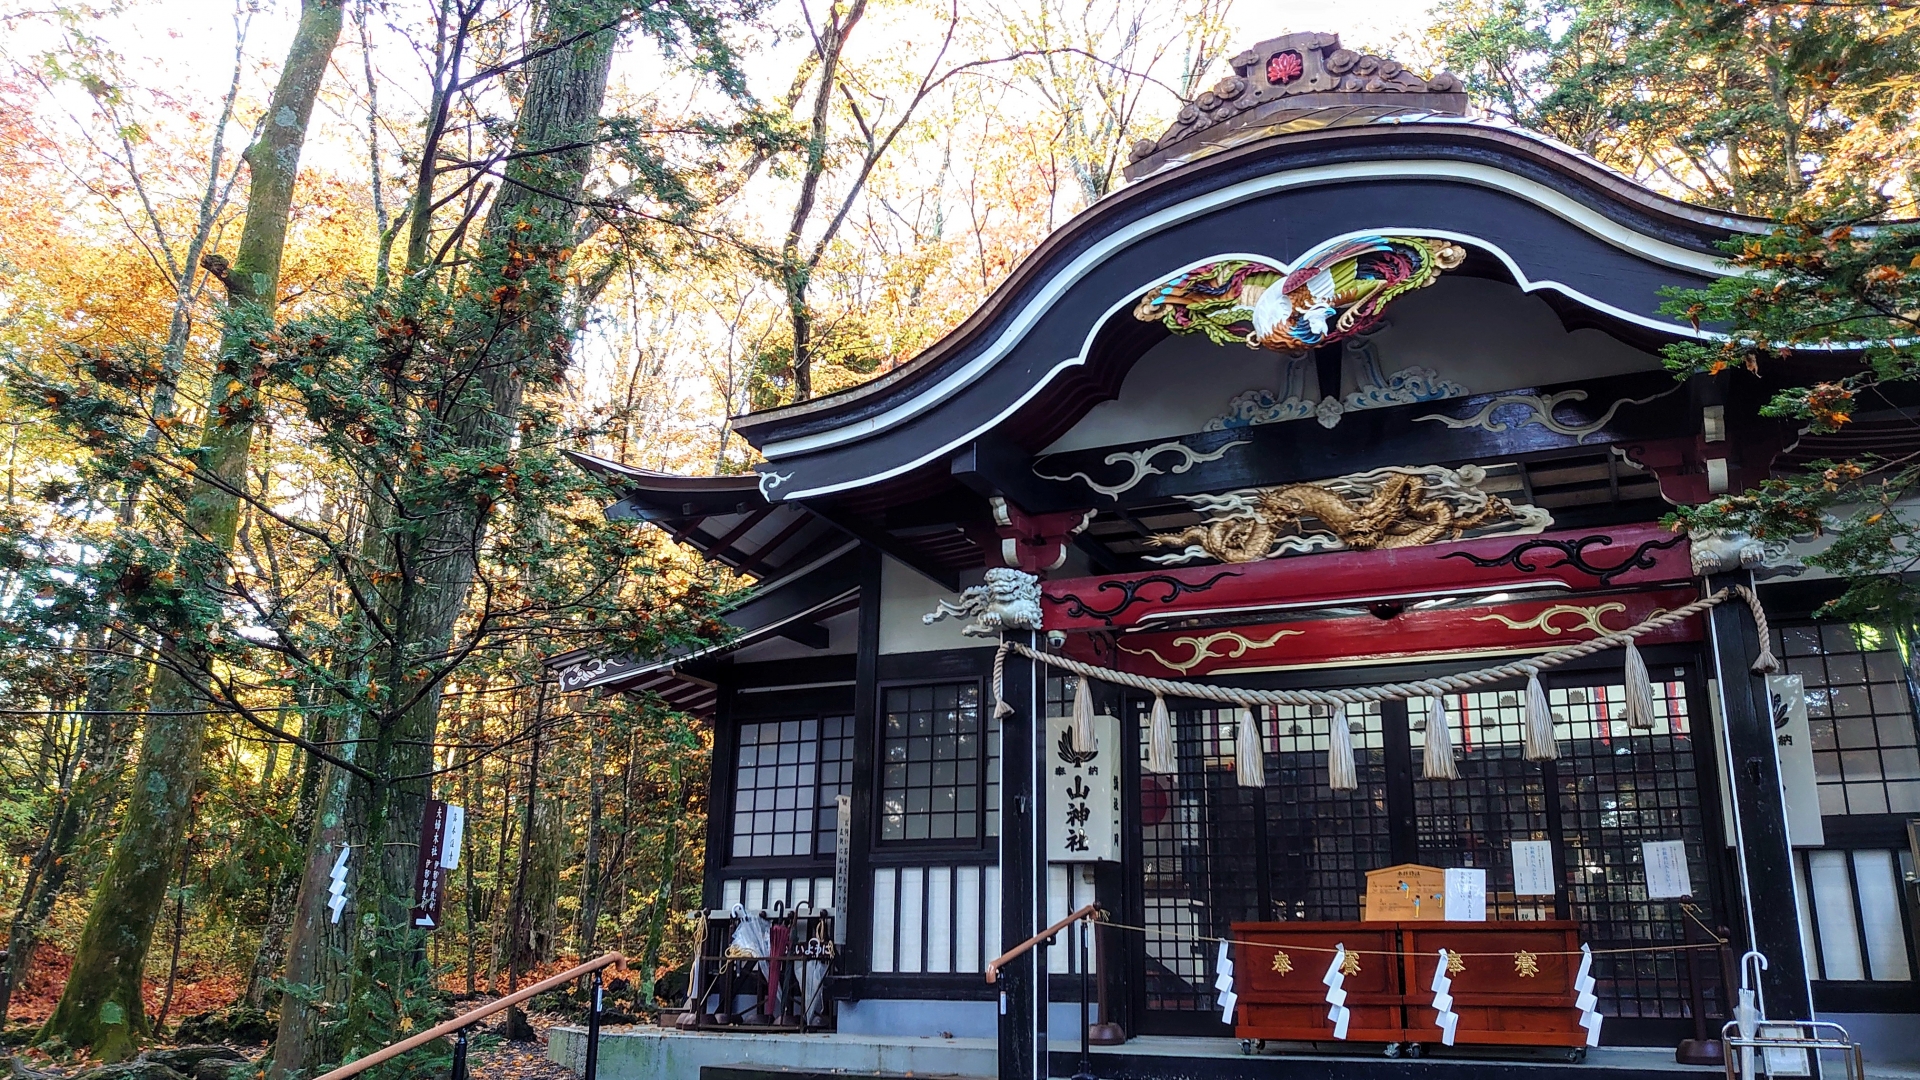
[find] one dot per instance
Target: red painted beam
(1479, 630)
(1576, 560)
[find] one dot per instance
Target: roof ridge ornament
(1296, 82)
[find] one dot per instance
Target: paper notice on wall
(1533, 868)
(450, 839)
(1466, 894)
(1666, 862)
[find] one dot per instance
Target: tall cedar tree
(439, 396)
(101, 1007)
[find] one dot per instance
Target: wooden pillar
(1764, 866)
(866, 734)
(720, 784)
(1023, 868)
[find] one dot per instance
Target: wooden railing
(468, 1019)
(993, 969)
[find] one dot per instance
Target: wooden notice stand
(1506, 999)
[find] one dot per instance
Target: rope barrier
(1718, 942)
(1433, 687)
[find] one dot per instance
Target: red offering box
(1292, 1006)
(1391, 996)
(1498, 1004)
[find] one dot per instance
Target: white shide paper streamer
(1447, 1019)
(1336, 996)
(337, 889)
(1584, 999)
(1223, 982)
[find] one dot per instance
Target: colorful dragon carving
(1338, 289)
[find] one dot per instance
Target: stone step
(645, 1052)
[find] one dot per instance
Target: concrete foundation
(651, 1053)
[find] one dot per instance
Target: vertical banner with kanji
(441, 829)
(1083, 793)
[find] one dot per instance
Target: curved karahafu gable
(1341, 219)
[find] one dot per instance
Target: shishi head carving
(1007, 600)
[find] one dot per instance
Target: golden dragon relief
(1395, 507)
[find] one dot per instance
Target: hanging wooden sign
(442, 827)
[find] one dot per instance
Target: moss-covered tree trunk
(101, 1006)
(104, 731)
(538, 204)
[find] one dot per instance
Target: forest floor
(491, 1058)
(499, 1059)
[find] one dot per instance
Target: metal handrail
(993, 969)
(468, 1019)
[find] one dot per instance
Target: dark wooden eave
(792, 606)
(723, 517)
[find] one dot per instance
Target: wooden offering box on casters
(1514, 988)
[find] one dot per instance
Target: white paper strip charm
(1336, 996)
(337, 886)
(1584, 998)
(1223, 982)
(1444, 1016)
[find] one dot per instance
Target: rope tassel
(1639, 690)
(1438, 762)
(1249, 764)
(1341, 775)
(1083, 716)
(1160, 758)
(1540, 743)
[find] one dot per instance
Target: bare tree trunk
(669, 870)
(282, 905)
(179, 926)
(515, 1026)
(590, 868)
(101, 1007)
(94, 774)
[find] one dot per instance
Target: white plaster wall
(906, 595)
(843, 635)
(1485, 335)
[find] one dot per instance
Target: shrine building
(1342, 393)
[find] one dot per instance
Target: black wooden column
(721, 779)
(1764, 864)
(866, 733)
(1023, 867)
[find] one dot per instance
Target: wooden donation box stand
(1512, 981)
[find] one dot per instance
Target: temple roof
(1292, 83)
(1278, 164)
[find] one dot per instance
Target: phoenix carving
(1334, 291)
(1395, 507)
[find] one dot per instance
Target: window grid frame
(820, 792)
(1888, 696)
(985, 787)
